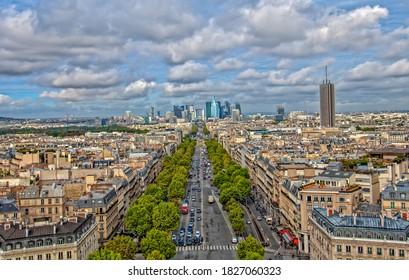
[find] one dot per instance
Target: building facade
(327, 104)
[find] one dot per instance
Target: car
(248, 222)
(198, 210)
(199, 218)
(192, 214)
(193, 199)
(234, 240)
(189, 241)
(197, 235)
(174, 238)
(189, 235)
(181, 242)
(192, 209)
(259, 218)
(192, 219)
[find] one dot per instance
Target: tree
(220, 178)
(254, 256)
(176, 190)
(124, 245)
(227, 194)
(155, 255)
(139, 219)
(243, 186)
(156, 191)
(249, 246)
(166, 217)
(160, 241)
(238, 224)
(104, 254)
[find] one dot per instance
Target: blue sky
(92, 58)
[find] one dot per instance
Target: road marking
(208, 248)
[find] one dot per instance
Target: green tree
(220, 178)
(156, 191)
(249, 246)
(238, 224)
(155, 255)
(124, 245)
(104, 254)
(254, 256)
(243, 186)
(160, 241)
(176, 190)
(166, 217)
(227, 194)
(139, 219)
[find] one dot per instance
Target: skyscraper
(128, 117)
(238, 107)
(327, 103)
(215, 109)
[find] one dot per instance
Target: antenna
(326, 74)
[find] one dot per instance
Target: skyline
(92, 59)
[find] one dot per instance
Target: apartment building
(395, 198)
(312, 195)
(71, 239)
(9, 210)
(338, 237)
(42, 203)
(102, 201)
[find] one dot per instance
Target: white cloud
(228, 64)
(251, 74)
(189, 72)
(373, 70)
(5, 99)
(80, 78)
(139, 88)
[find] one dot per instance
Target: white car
(234, 240)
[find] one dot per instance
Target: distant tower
(128, 116)
(327, 102)
(152, 112)
(280, 113)
(238, 107)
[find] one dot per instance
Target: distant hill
(8, 119)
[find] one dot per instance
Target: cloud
(251, 74)
(228, 64)
(189, 72)
(5, 99)
(139, 88)
(374, 70)
(80, 78)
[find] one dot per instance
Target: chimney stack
(27, 231)
(382, 221)
(55, 228)
(354, 217)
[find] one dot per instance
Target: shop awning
(287, 238)
(295, 241)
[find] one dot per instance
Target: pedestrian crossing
(208, 248)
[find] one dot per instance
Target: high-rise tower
(327, 103)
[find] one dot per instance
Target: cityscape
(191, 138)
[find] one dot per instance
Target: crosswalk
(208, 248)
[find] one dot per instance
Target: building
(215, 109)
(395, 198)
(327, 104)
(280, 113)
(71, 239)
(238, 107)
(312, 196)
(39, 204)
(128, 117)
(235, 115)
(101, 201)
(338, 237)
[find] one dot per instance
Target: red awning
(295, 241)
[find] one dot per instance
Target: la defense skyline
(327, 102)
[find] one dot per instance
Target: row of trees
(250, 249)
(232, 180)
(195, 129)
(205, 130)
(236, 215)
(121, 247)
(156, 213)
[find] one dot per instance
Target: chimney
(27, 231)
(55, 228)
(382, 221)
(330, 212)
(7, 226)
(354, 217)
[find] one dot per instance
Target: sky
(88, 58)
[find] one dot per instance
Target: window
(42, 210)
(392, 195)
(391, 252)
(391, 237)
(101, 235)
(9, 247)
(401, 253)
(403, 196)
(369, 250)
(39, 243)
(392, 204)
(308, 198)
(60, 240)
(329, 199)
(60, 256)
(30, 258)
(341, 199)
(315, 199)
(322, 199)
(42, 201)
(39, 257)
(348, 249)
(69, 255)
(379, 251)
(48, 256)
(50, 210)
(27, 211)
(48, 242)
(50, 201)
(360, 250)
(101, 218)
(339, 248)
(403, 205)
(56, 210)
(19, 245)
(17, 259)
(31, 244)
(57, 200)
